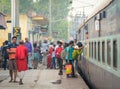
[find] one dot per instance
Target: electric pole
(15, 18)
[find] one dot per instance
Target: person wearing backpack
(58, 56)
(21, 59)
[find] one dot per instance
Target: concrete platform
(45, 79)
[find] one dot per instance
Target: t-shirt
(12, 47)
(44, 47)
(58, 52)
(69, 50)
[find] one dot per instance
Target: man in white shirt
(44, 50)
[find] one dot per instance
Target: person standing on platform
(56, 60)
(69, 58)
(60, 60)
(35, 55)
(29, 47)
(44, 50)
(21, 57)
(11, 49)
(5, 54)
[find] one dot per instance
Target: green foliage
(59, 11)
(5, 6)
(25, 5)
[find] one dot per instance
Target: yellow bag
(68, 68)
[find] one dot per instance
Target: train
(99, 64)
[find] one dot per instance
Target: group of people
(63, 51)
(21, 57)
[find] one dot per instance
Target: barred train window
(95, 50)
(103, 52)
(92, 49)
(115, 54)
(98, 51)
(108, 53)
(89, 49)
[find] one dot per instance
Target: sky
(84, 6)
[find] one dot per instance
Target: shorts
(12, 64)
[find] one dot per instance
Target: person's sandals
(20, 83)
(10, 81)
(15, 82)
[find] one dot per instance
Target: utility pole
(50, 24)
(15, 17)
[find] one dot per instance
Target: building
(25, 24)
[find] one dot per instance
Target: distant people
(35, 55)
(64, 53)
(12, 59)
(59, 59)
(21, 56)
(56, 61)
(5, 54)
(40, 55)
(44, 50)
(29, 47)
(53, 64)
(49, 59)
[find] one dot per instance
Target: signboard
(16, 31)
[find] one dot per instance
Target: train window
(115, 54)
(98, 51)
(89, 49)
(104, 14)
(108, 53)
(95, 50)
(103, 52)
(92, 49)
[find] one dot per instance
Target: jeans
(5, 63)
(53, 64)
(60, 63)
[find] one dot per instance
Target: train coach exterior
(100, 61)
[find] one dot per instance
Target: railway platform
(43, 78)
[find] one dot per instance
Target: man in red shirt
(21, 56)
(58, 55)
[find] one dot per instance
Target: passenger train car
(99, 63)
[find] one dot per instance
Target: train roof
(96, 10)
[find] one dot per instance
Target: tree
(5, 6)
(59, 11)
